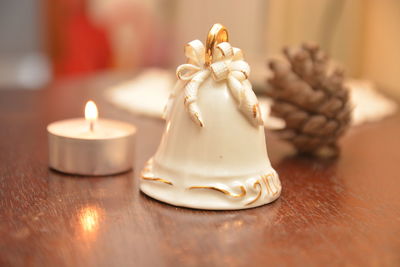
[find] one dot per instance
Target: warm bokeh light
(89, 219)
(91, 112)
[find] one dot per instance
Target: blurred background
(43, 41)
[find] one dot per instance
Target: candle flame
(91, 112)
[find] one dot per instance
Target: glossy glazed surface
(221, 165)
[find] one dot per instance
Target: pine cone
(311, 99)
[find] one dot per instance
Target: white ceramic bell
(213, 153)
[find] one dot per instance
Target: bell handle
(217, 34)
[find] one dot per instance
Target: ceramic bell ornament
(213, 153)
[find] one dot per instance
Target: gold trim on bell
(154, 179)
(226, 192)
(256, 183)
(267, 179)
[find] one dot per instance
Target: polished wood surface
(331, 212)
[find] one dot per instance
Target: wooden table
(341, 212)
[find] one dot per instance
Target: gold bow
(227, 64)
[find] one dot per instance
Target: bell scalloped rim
(232, 193)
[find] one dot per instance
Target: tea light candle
(91, 146)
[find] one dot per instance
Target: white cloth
(148, 93)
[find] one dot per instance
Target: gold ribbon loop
(186, 72)
(217, 34)
(219, 70)
(241, 66)
(194, 52)
(237, 54)
(223, 51)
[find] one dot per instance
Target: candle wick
(91, 125)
